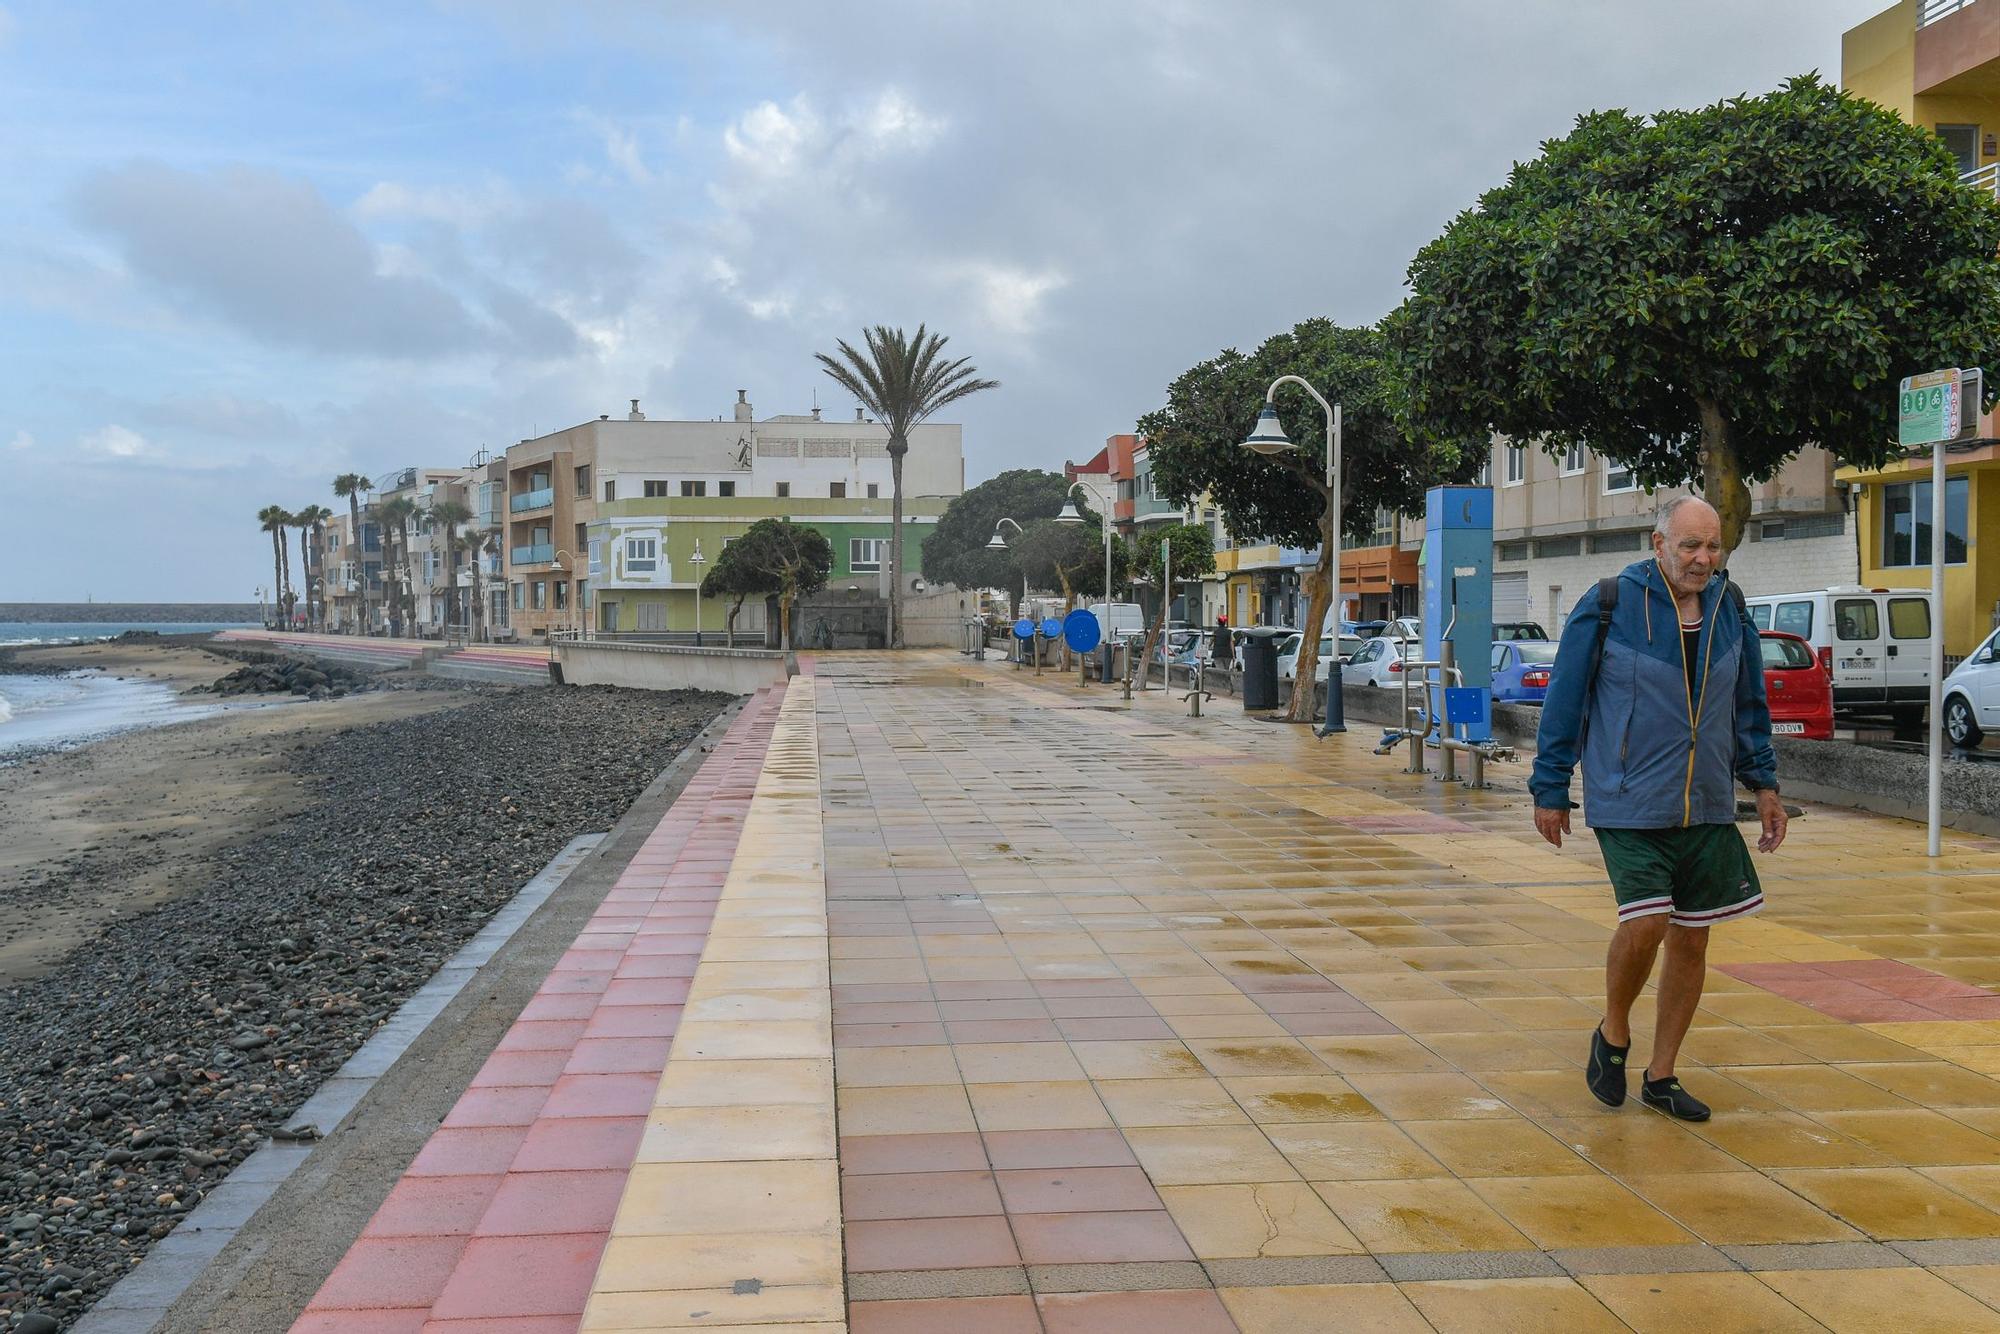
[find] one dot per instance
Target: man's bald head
(1687, 541)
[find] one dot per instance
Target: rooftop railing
(1930, 11)
(532, 500)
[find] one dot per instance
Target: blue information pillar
(1458, 590)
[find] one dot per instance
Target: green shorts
(1700, 875)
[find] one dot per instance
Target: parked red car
(1798, 686)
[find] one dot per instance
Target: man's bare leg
(1627, 965)
(1681, 979)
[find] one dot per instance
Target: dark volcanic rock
(156, 1057)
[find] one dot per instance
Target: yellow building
(1936, 63)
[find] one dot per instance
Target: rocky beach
(199, 923)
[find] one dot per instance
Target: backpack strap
(1607, 602)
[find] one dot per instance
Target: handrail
(531, 500)
(1984, 179)
(1930, 11)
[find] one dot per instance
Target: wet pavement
(1025, 1009)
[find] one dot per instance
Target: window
(1909, 618)
(583, 595)
(784, 490)
(583, 482)
(874, 490)
(836, 490)
(1787, 655)
(656, 490)
(1499, 657)
(1819, 525)
(518, 597)
(1628, 541)
(1794, 618)
(641, 555)
(1618, 477)
(1385, 528)
(611, 489)
(1572, 460)
(1511, 551)
(1558, 546)
(1484, 477)
(1856, 618)
(694, 488)
(1906, 523)
(725, 489)
(562, 593)
(538, 595)
(866, 553)
(1773, 530)
(1760, 616)
(1517, 464)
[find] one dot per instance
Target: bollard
(1447, 758)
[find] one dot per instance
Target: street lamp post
(1268, 438)
(999, 543)
(697, 560)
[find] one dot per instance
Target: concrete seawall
(735, 671)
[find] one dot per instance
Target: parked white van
(1125, 618)
(1874, 641)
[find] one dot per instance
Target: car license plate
(1788, 729)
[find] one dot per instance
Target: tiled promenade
(1024, 1010)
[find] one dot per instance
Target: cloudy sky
(250, 246)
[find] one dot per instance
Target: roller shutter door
(1510, 597)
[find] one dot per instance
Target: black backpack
(1607, 602)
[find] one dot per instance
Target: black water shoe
(1667, 1095)
(1606, 1072)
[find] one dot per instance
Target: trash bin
(1260, 667)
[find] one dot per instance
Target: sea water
(41, 713)
(16, 633)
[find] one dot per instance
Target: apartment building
(1561, 522)
(1936, 63)
(615, 507)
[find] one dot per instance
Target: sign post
(1934, 409)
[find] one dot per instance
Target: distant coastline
(129, 613)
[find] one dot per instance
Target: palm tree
(902, 381)
(273, 520)
(309, 522)
(474, 544)
(391, 515)
(451, 514)
(350, 486)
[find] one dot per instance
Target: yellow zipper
(1694, 708)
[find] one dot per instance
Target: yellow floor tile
(1496, 1148)
(1712, 1303)
(1785, 1140)
(1207, 1155)
(1511, 1306)
(1343, 1308)
(674, 1198)
(1816, 1088)
(1432, 1215)
(1894, 1203)
(1982, 1281)
(736, 1134)
(1888, 1301)
(1930, 1083)
(1300, 1098)
(1352, 1151)
(718, 1308)
(1739, 1209)
(723, 1083)
(1039, 1105)
(907, 1109)
(1016, 1062)
(1261, 1220)
(874, 1067)
(1170, 1102)
(1559, 1212)
(1376, 1054)
(1430, 1097)
(1154, 1059)
(678, 1263)
(1916, 1137)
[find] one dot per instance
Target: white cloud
(116, 442)
(22, 442)
(895, 121)
(769, 141)
(457, 206)
(1010, 297)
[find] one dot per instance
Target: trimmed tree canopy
(955, 551)
(1069, 556)
(1697, 295)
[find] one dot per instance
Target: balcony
(541, 553)
(532, 500)
(1957, 51)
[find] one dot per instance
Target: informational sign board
(1052, 628)
(1024, 629)
(1927, 408)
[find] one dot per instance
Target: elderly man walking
(1659, 686)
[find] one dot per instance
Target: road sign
(1927, 408)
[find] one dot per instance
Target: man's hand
(1552, 824)
(1770, 813)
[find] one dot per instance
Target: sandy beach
(116, 825)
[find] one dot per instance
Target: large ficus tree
(956, 551)
(902, 380)
(1195, 443)
(1697, 295)
(775, 557)
(1070, 557)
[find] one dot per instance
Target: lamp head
(1069, 514)
(996, 543)
(1268, 436)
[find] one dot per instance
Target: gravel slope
(153, 1059)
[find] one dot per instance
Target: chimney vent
(816, 414)
(635, 415)
(858, 416)
(604, 416)
(743, 409)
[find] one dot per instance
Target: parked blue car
(1521, 670)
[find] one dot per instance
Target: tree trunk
(306, 569)
(475, 625)
(785, 622)
(1722, 483)
(1319, 597)
(277, 574)
(729, 625)
(898, 447)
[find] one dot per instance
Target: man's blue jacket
(1659, 746)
